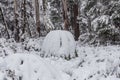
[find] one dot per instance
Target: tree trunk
(76, 23)
(6, 26)
(65, 16)
(16, 30)
(44, 5)
(37, 16)
(44, 13)
(24, 16)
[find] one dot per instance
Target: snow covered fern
(59, 43)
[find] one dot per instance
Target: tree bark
(24, 16)
(37, 16)
(44, 5)
(76, 23)
(16, 30)
(65, 16)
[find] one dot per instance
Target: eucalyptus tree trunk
(65, 16)
(24, 16)
(74, 14)
(76, 23)
(44, 5)
(37, 16)
(16, 25)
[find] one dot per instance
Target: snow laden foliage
(100, 18)
(97, 63)
(33, 44)
(48, 24)
(98, 22)
(28, 67)
(92, 63)
(8, 47)
(60, 44)
(87, 38)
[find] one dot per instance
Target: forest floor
(92, 63)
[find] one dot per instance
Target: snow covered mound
(59, 43)
(28, 67)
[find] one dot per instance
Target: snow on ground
(30, 67)
(92, 63)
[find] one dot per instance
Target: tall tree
(37, 16)
(23, 15)
(74, 14)
(65, 16)
(16, 30)
(44, 6)
(75, 22)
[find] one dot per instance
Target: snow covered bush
(100, 22)
(103, 32)
(60, 44)
(87, 38)
(28, 67)
(33, 44)
(109, 35)
(97, 63)
(8, 47)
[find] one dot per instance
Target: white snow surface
(92, 63)
(59, 43)
(1, 76)
(31, 67)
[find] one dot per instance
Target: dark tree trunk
(76, 24)
(16, 30)
(24, 16)
(37, 16)
(65, 16)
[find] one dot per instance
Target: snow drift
(59, 43)
(28, 67)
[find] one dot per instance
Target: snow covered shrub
(60, 44)
(87, 38)
(33, 44)
(7, 47)
(97, 63)
(109, 35)
(103, 31)
(28, 67)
